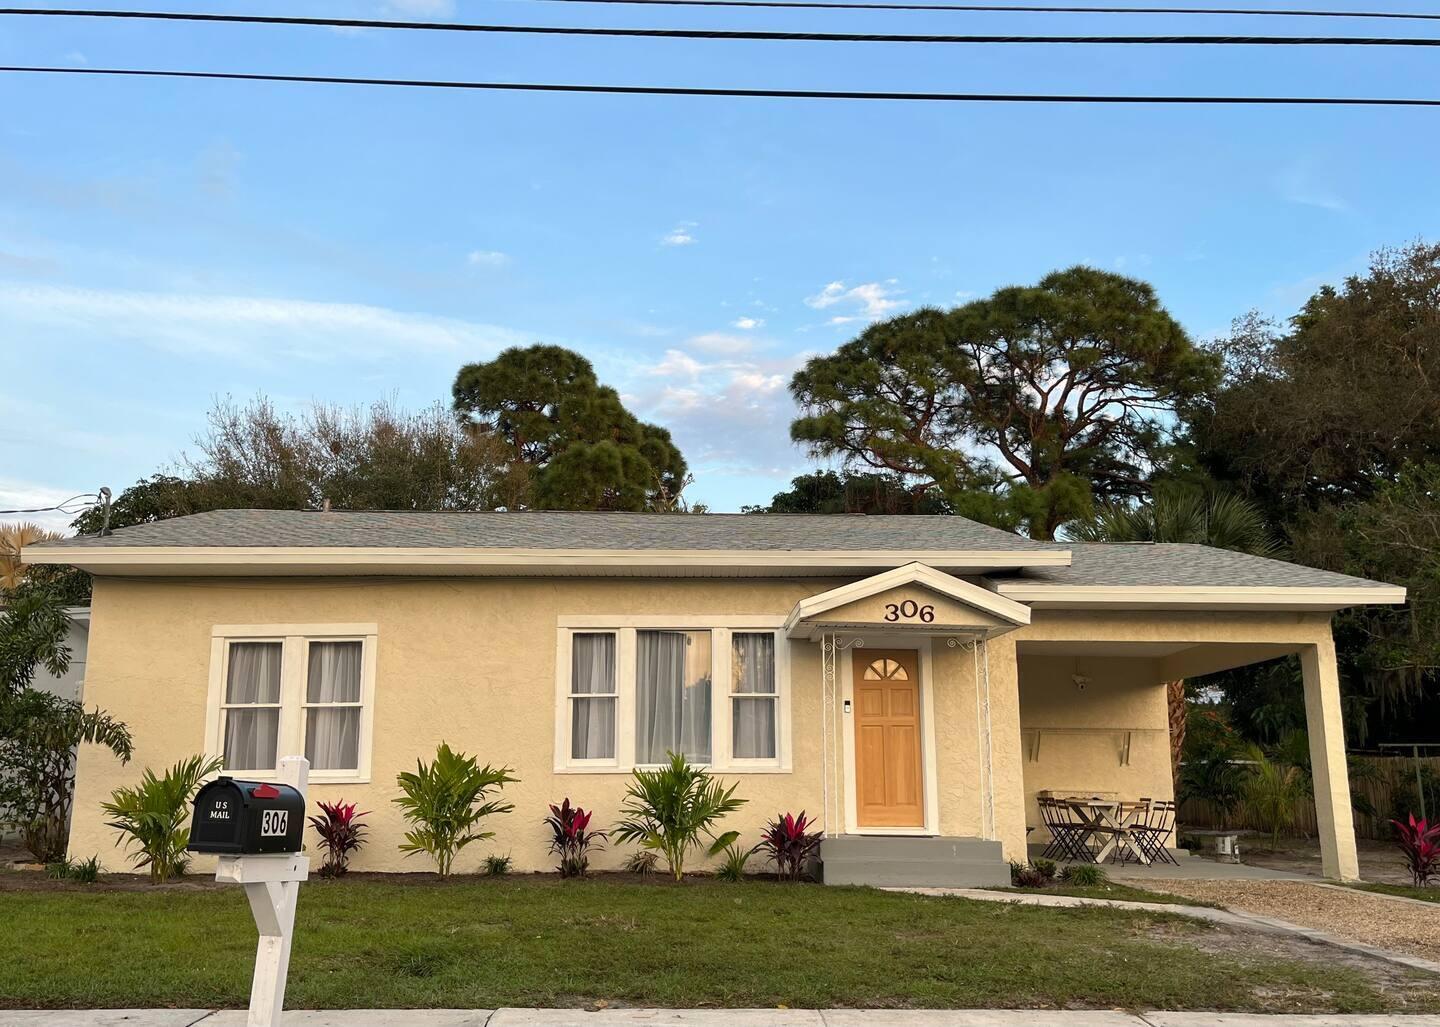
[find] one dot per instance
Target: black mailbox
(241, 817)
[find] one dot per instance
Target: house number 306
(909, 610)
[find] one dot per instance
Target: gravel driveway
(1365, 917)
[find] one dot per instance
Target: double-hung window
(633, 690)
(278, 690)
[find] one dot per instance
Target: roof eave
(1183, 597)
(314, 560)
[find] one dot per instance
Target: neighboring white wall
(71, 684)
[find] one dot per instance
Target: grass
(1405, 891)
(536, 941)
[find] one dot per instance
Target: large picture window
(629, 694)
(284, 689)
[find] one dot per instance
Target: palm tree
(1213, 519)
(13, 537)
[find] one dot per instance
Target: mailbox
(243, 817)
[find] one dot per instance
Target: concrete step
(895, 861)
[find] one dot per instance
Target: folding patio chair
(1154, 829)
(1068, 835)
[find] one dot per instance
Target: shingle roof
(555, 529)
(1151, 564)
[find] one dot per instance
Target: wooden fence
(1376, 779)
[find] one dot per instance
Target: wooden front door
(889, 789)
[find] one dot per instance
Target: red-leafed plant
(340, 831)
(787, 841)
(1419, 843)
(571, 837)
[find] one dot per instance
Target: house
(913, 682)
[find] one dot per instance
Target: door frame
(930, 776)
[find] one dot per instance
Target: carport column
(1327, 761)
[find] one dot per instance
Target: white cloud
(248, 329)
(722, 344)
(680, 235)
(747, 324)
(870, 300)
(1298, 183)
(24, 495)
(487, 258)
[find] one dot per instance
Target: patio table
(1112, 819)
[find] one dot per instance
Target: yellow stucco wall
(471, 661)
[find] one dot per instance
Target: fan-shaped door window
(886, 669)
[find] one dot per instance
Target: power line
(727, 34)
(793, 94)
(840, 5)
(91, 498)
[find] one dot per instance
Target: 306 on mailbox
(239, 817)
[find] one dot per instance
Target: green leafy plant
(446, 800)
(733, 859)
(1273, 791)
(1046, 868)
(1023, 875)
(496, 865)
(153, 816)
(643, 862)
(39, 733)
(85, 871)
(1084, 875)
(672, 808)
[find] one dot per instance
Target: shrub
(86, 871)
(1084, 875)
(444, 800)
(787, 842)
(1022, 876)
(643, 862)
(39, 733)
(153, 817)
(571, 837)
(669, 809)
(340, 831)
(732, 866)
(1273, 791)
(1046, 868)
(1419, 843)
(496, 865)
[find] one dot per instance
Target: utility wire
(840, 5)
(90, 498)
(797, 94)
(822, 37)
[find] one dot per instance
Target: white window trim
(625, 627)
(294, 666)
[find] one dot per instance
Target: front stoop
(890, 861)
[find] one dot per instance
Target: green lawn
(1430, 894)
(536, 941)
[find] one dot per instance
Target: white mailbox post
(272, 884)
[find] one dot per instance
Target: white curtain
(752, 663)
(252, 736)
(332, 734)
(592, 672)
(672, 695)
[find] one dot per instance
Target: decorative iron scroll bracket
(831, 646)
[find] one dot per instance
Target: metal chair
(1069, 836)
(1150, 834)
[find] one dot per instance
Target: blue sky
(164, 243)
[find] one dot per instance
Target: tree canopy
(1041, 398)
(572, 436)
(832, 492)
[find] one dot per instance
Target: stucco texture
(471, 661)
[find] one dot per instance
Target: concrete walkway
(696, 1018)
(1230, 918)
